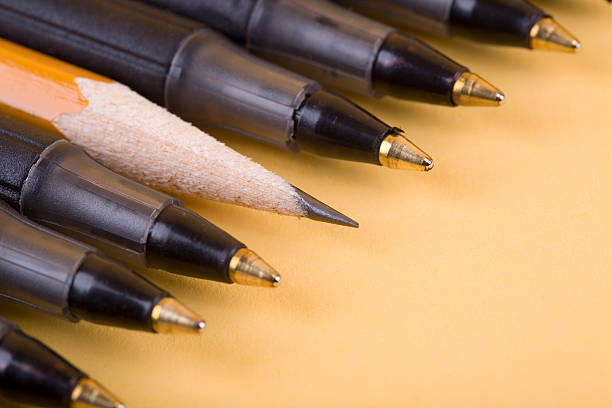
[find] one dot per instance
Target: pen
(507, 22)
(54, 274)
(206, 79)
(342, 49)
(31, 373)
(56, 184)
(140, 140)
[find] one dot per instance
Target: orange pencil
(139, 139)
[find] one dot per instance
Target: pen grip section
(318, 39)
(503, 22)
(31, 373)
(37, 265)
(213, 82)
(71, 193)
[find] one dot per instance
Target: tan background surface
(484, 283)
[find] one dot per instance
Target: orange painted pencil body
(38, 88)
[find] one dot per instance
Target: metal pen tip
(471, 90)
(316, 210)
(90, 394)
(247, 268)
(549, 35)
(170, 316)
(399, 153)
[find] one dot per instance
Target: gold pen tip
(549, 35)
(170, 316)
(399, 153)
(90, 394)
(472, 90)
(247, 268)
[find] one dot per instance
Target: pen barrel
(318, 39)
(429, 16)
(137, 51)
(37, 266)
(68, 191)
(213, 82)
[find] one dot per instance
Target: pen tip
(471, 90)
(549, 35)
(247, 268)
(397, 152)
(90, 394)
(170, 316)
(316, 210)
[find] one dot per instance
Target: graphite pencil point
(471, 90)
(90, 394)
(247, 268)
(549, 35)
(170, 316)
(399, 153)
(316, 210)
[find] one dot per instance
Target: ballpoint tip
(170, 316)
(472, 90)
(90, 394)
(549, 35)
(316, 210)
(399, 153)
(247, 268)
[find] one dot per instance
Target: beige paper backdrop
(484, 283)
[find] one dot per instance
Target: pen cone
(170, 316)
(89, 394)
(471, 90)
(247, 268)
(549, 35)
(397, 152)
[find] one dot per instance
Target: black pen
(52, 273)
(506, 22)
(58, 185)
(31, 373)
(208, 80)
(342, 49)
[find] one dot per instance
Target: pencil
(504, 22)
(138, 139)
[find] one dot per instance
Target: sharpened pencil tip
(316, 210)
(471, 90)
(397, 152)
(170, 316)
(549, 35)
(247, 268)
(90, 394)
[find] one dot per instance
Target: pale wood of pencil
(143, 141)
